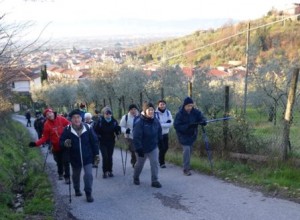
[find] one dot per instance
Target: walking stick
(45, 159)
(219, 119)
(207, 147)
(70, 195)
(122, 161)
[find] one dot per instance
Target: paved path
(181, 197)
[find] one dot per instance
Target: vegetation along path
(181, 197)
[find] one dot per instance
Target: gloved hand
(140, 152)
(68, 143)
(128, 131)
(96, 160)
(118, 130)
(169, 121)
(193, 125)
(32, 144)
(203, 123)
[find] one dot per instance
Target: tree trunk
(288, 115)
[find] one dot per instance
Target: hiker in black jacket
(107, 129)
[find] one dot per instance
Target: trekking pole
(122, 161)
(219, 119)
(45, 159)
(70, 195)
(207, 147)
(125, 161)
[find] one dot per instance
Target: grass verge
(273, 178)
(21, 176)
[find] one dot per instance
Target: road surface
(196, 197)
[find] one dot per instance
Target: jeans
(187, 152)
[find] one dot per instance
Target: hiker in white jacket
(166, 121)
(126, 124)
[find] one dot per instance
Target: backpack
(157, 115)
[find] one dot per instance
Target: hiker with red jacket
(53, 128)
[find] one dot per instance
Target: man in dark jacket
(38, 124)
(80, 143)
(147, 132)
(28, 117)
(107, 128)
(186, 124)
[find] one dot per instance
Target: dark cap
(188, 100)
(131, 106)
(75, 112)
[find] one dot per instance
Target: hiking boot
(187, 172)
(110, 174)
(78, 193)
(136, 181)
(60, 177)
(67, 180)
(163, 166)
(156, 184)
(104, 175)
(89, 197)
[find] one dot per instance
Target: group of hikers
(77, 139)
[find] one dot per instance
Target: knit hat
(131, 106)
(106, 110)
(46, 111)
(147, 105)
(75, 112)
(188, 100)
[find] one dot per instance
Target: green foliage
(21, 173)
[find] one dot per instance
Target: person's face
(107, 115)
(50, 115)
(87, 119)
(76, 120)
(150, 112)
(188, 108)
(162, 105)
(133, 111)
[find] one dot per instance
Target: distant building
(292, 9)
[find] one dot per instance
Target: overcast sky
(109, 17)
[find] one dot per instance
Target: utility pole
(247, 70)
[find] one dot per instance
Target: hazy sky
(99, 17)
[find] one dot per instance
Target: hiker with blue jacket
(126, 125)
(186, 124)
(80, 144)
(147, 133)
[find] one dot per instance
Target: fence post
(225, 122)
(141, 101)
(119, 106)
(162, 93)
(190, 89)
(123, 104)
(288, 114)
